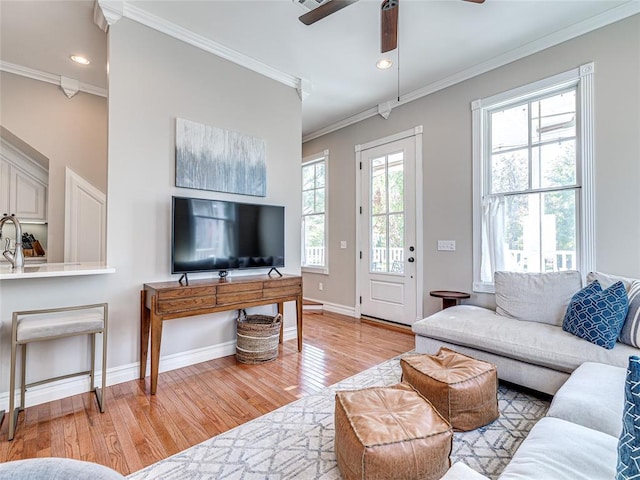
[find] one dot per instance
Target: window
(532, 178)
(314, 213)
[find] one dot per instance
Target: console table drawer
(187, 292)
(283, 282)
(185, 304)
(281, 292)
(235, 297)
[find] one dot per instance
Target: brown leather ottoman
(390, 433)
(463, 389)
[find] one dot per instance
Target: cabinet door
(5, 179)
(28, 197)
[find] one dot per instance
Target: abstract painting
(211, 158)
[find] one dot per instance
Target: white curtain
(493, 247)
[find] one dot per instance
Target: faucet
(17, 257)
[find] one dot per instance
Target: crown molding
(107, 12)
(48, 78)
(615, 14)
(147, 19)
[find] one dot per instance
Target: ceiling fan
(388, 18)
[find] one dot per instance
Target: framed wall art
(212, 158)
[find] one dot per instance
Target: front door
(388, 234)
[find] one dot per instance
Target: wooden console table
(168, 300)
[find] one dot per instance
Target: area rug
(296, 441)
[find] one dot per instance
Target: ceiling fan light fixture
(80, 59)
(384, 63)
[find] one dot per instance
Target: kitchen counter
(43, 270)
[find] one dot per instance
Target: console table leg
(156, 339)
(145, 325)
(299, 321)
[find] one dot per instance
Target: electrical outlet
(320, 286)
(447, 245)
(343, 244)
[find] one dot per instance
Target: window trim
(582, 77)
(308, 160)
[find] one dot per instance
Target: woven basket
(258, 337)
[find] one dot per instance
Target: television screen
(209, 235)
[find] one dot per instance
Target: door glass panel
(378, 186)
(387, 214)
(396, 243)
(396, 183)
(379, 243)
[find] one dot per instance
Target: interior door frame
(419, 280)
(74, 183)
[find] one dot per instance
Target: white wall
(70, 132)
(154, 79)
(447, 165)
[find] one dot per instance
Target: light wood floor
(197, 402)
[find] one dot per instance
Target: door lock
(411, 260)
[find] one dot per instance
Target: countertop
(43, 270)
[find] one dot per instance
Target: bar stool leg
(92, 373)
(104, 362)
(23, 387)
(12, 384)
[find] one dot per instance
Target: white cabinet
(5, 180)
(22, 193)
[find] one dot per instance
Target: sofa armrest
(459, 471)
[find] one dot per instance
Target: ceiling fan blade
(475, 1)
(324, 10)
(389, 25)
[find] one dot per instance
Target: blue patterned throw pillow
(629, 443)
(597, 315)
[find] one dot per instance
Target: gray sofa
(578, 439)
(524, 336)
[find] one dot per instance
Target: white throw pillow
(535, 297)
(606, 280)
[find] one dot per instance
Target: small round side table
(449, 298)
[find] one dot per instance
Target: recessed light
(80, 59)
(384, 63)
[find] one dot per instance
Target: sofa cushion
(535, 297)
(593, 397)
(460, 471)
(530, 342)
(560, 450)
(629, 444)
(597, 315)
(630, 333)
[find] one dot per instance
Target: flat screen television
(215, 235)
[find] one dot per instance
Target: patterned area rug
(296, 441)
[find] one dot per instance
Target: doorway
(388, 270)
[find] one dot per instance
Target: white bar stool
(40, 325)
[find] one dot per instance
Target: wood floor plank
(199, 401)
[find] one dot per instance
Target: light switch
(447, 245)
(343, 244)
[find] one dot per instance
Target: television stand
(274, 269)
(186, 279)
(164, 301)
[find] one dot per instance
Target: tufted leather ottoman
(390, 433)
(463, 389)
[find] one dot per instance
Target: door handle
(411, 260)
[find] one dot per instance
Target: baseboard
(341, 309)
(315, 307)
(125, 373)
